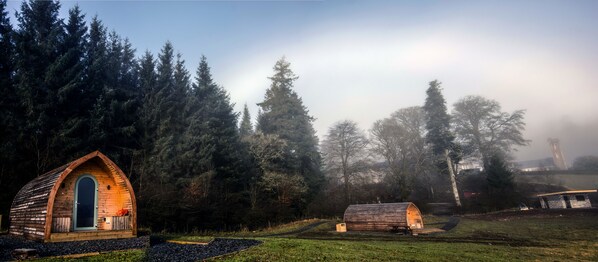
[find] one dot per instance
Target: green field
(511, 236)
(515, 236)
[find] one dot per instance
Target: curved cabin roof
(32, 207)
(386, 216)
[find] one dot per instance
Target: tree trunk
(346, 180)
(452, 175)
(254, 192)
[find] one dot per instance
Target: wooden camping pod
(45, 209)
(383, 217)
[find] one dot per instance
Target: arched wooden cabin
(89, 198)
(383, 217)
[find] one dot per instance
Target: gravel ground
(158, 251)
(9, 243)
(176, 252)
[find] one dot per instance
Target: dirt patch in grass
(299, 230)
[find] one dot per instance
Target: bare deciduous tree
(400, 141)
(344, 150)
(484, 129)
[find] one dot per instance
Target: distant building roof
(536, 165)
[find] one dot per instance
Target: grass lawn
(552, 237)
(512, 237)
(124, 256)
(281, 249)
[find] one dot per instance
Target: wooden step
(90, 235)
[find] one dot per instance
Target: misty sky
(363, 60)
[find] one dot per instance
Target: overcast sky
(363, 60)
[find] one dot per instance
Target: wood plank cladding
(45, 205)
(383, 217)
(61, 224)
(28, 212)
(121, 223)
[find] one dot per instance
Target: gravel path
(158, 251)
(451, 223)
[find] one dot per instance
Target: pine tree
(212, 146)
(7, 49)
(8, 99)
(95, 92)
(9, 118)
(68, 74)
(245, 128)
(128, 96)
(501, 185)
(39, 40)
(122, 100)
(164, 150)
(438, 120)
(146, 133)
(147, 86)
(284, 114)
(216, 113)
(182, 85)
(163, 135)
(439, 134)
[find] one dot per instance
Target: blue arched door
(85, 210)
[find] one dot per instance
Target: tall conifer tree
(167, 121)
(8, 99)
(284, 114)
(439, 134)
(9, 118)
(146, 132)
(123, 99)
(245, 128)
(94, 99)
(68, 72)
(147, 86)
(39, 40)
(216, 120)
(7, 50)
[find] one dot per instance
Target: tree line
(70, 87)
(414, 155)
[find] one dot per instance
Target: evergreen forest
(70, 87)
